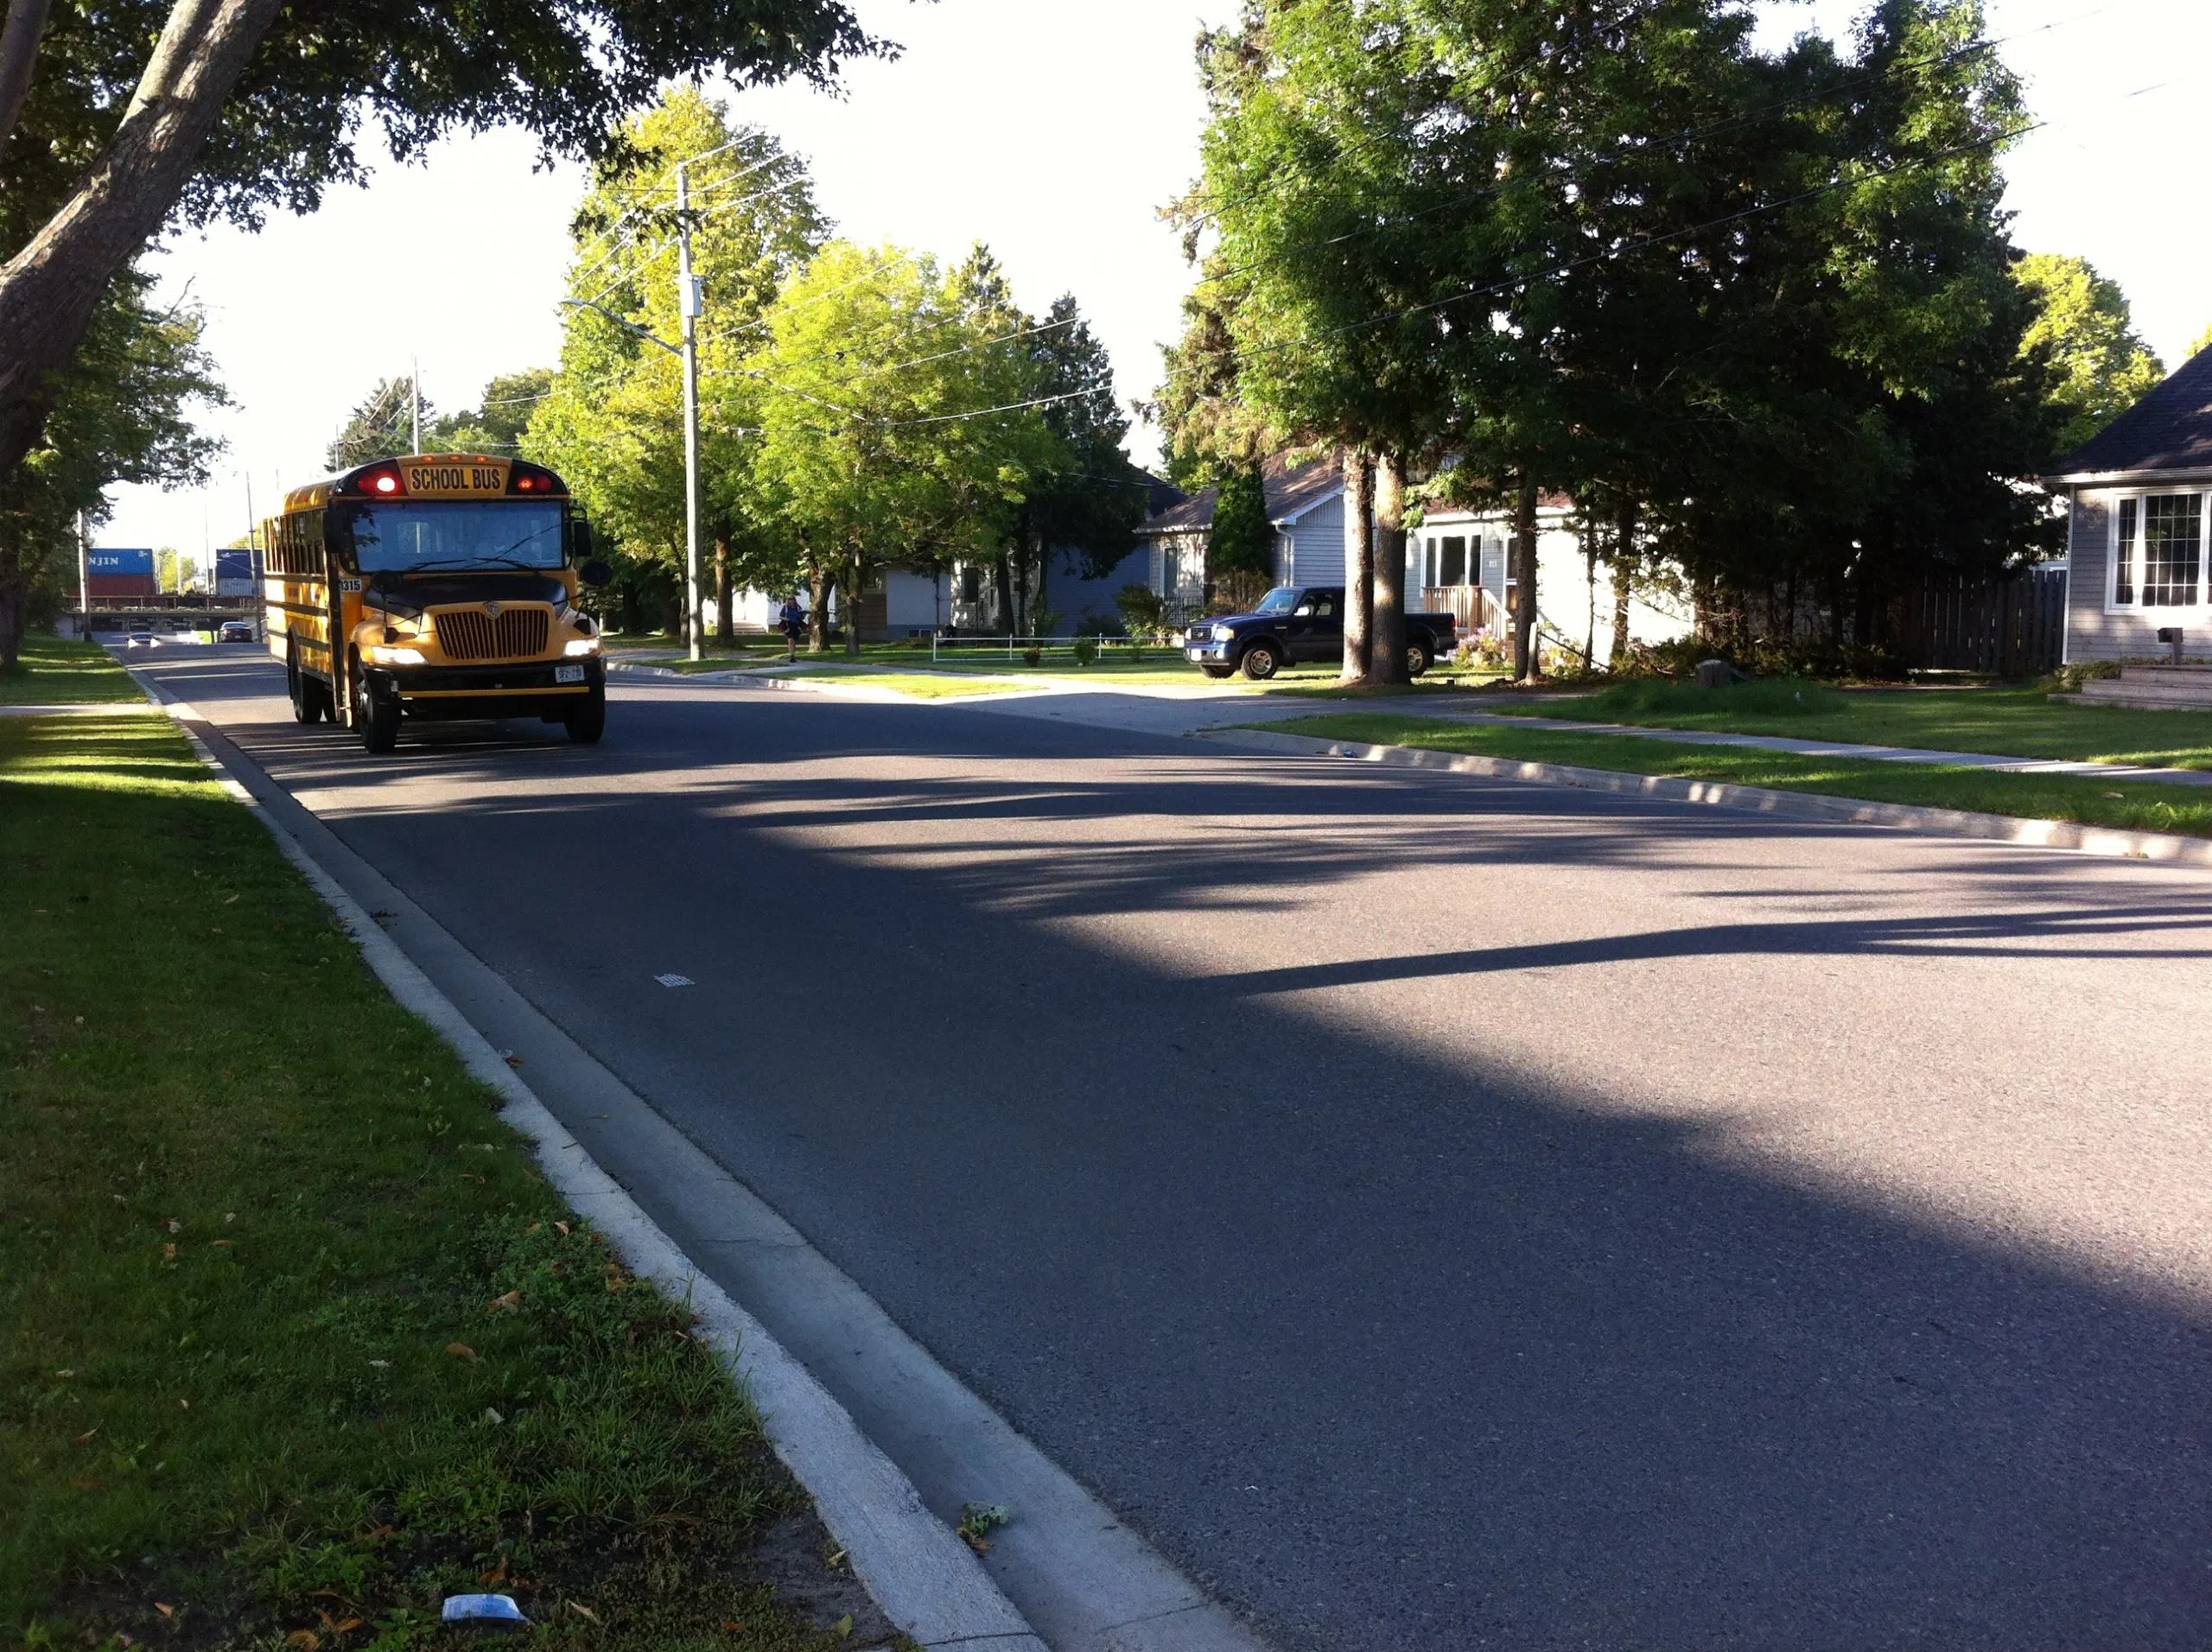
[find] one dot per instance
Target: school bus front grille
(512, 633)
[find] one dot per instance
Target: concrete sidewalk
(1840, 748)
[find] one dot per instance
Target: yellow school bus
(432, 587)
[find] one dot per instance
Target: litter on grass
(491, 1611)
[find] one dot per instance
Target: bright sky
(1055, 132)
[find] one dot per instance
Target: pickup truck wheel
(1261, 661)
(1217, 672)
(1416, 658)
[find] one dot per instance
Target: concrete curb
(1763, 800)
(927, 1581)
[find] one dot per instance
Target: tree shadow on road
(1389, 1348)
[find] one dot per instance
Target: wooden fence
(2014, 626)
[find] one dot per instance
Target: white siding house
(1458, 561)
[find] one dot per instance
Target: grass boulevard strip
(2088, 801)
(297, 1340)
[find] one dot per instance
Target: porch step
(2151, 687)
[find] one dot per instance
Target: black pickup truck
(1302, 622)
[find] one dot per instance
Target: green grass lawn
(919, 685)
(57, 673)
(2088, 801)
(2009, 722)
(294, 1339)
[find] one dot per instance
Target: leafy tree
(1088, 505)
(2100, 365)
(119, 414)
(381, 425)
(496, 424)
(895, 427)
(238, 106)
(1211, 428)
(612, 420)
(1755, 311)
(1241, 547)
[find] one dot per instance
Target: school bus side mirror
(581, 545)
(597, 574)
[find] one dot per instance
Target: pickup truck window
(1321, 607)
(1281, 599)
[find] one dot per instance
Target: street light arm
(628, 326)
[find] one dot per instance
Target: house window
(2173, 528)
(2158, 552)
(2123, 558)
(1171, 576)
(971, 584)
(1454, 570)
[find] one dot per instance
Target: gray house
(2140, 495)
(1304, 502)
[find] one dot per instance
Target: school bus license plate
(567, 674)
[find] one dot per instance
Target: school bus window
(402, 538)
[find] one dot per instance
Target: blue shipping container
(121, 562)
(234, 564)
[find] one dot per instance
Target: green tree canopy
(122, 413)
(896, 423)
(381, 425)
(2101, 367)
(1760, 304)
(611, 420)
(140, 112)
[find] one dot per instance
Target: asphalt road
(1437, 1212)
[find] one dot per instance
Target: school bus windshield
(424, 538)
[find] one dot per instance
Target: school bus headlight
(582, 646)
(396, 656)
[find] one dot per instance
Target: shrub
(2070, 679)
(1086, 650)
(1032, 655)
(1144, 613)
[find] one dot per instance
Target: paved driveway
(1437, 1213)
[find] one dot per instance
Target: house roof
(1290, 490)
(1159, 495)
(2170, 429)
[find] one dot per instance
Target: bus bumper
(435, 693)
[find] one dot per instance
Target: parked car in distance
(1295, 623)
(235, 630)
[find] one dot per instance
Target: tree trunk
(1359, 566)
(11, 631)
(856, 583)
(725, 599)
(49, 290)
(818, 614)
(1386, 635)
(1590, 549)
(1002, 578)
(1528, 661)
(1625, 562)
(19, 39)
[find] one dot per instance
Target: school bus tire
(309, 697)
(375, 717)
(588, 721)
